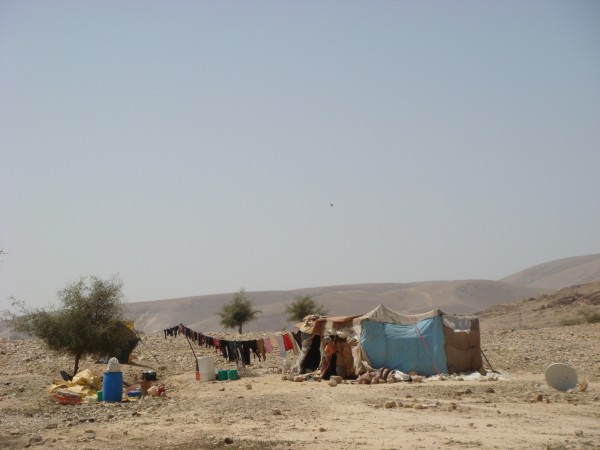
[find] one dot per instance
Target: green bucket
(233, 374)
(222, 375)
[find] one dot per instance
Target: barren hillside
(559, 273)
(458, 296)
(571, 305)
(452, 296)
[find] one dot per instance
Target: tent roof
(316, 324)
(383, 314)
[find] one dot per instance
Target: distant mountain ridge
(200, 313)
(458, 296)
(559, 273)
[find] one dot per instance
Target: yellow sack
(88, 378)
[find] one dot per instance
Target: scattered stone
(36, 438)
(89, 435)
(299, 378)
(248, 386)
(390, 404)
(490, 390)
(579, 433)
(321, 430)
(420, 406)
(51, 426)
(332, 383)
(228, 441)
(277, 412)
(14, 432)
(222, 388)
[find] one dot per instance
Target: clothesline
(231, 336)
(237, 348)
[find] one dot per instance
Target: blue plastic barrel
(112, 387)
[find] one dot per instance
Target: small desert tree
(303, 306)
(87, 320)
(238, 311)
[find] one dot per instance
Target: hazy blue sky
(195, 147)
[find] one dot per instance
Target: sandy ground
(518, 410)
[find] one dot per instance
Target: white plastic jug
(113, 365)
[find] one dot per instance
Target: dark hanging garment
(298, 337)
(245, 347)
(254, 348)
(313, 357)
(224, 349)
(232, 351)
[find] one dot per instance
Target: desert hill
(453, 296)
(559, 273)
(458, 296)
(571, 305)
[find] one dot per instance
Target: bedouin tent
(431, 343)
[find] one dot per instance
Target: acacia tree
(303, 306)
(87, 321)
(238, 311)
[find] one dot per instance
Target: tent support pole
(488, 362)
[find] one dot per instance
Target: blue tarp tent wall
(429, 343)
(418, 346)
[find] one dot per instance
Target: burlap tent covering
(462, 343)
(326, 337)
(339, 339)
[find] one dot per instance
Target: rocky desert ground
(512, 409)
